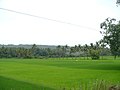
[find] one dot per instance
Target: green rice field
(58, 74)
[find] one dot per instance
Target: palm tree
(59, 51)
(72, 50)
(87, 50)
(76, 50)
(102, 47)
(80, 49)
(66, 50)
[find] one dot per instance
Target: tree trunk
(115, 57)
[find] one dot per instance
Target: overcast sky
(87, 14)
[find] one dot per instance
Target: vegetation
(118, 2)
(79, 67)
(93, 50)
(58, 74)
(109, 45)
(111, 35)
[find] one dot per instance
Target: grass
(58, 74)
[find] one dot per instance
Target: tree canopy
(118, 2)
(111, 35)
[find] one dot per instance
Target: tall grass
(97, 85)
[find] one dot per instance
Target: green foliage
(111, 35)
(58, 52)
(95, 51)
(95, 54)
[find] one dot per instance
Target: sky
(61, 22)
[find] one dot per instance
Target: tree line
(108, 45)
(93, 50)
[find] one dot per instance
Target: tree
(86, 49)
(95, 54)
(60, 51)
(118, 2)
(72, 50)
(94, 51)
(33, 50)
(80, 49)
(67, 50)
(111, 35)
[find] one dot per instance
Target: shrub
(95, 54)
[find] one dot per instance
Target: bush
(95, 54)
